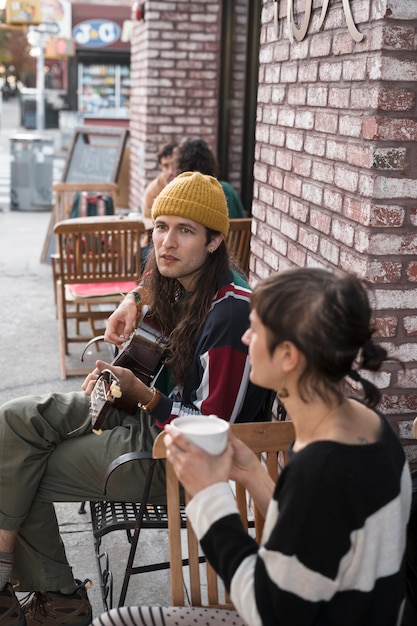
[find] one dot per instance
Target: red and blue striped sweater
(219, 378)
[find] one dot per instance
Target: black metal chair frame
(133, 517)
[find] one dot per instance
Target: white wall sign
(299, 32)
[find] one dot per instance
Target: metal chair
(107, 516)
(269, 440)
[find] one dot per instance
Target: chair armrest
(128, 457)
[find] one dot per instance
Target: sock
(6, 562)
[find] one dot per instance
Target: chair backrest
(99, 249)
(238, 241)
(65, 193)
(271, 440)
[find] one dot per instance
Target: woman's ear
(291, 356)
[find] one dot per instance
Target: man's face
(181, 248)
(167, 168)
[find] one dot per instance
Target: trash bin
(55, 101)
(31, 172)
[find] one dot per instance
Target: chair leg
(62, 334)
(77, 321)
(93, 328)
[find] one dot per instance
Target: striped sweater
(332, 552)
(219, 378)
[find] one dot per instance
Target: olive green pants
(49, 454)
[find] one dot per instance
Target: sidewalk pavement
(29, 364)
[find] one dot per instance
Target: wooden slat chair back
(238, 241)
(101, 256)
(64, 194)
(271, 440)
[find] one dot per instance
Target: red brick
(396, 100)
(385, 326)
(339, 97)
(295, 140)
(326, 123)
(342, 231)
(384, 272)
(399, 38)
(336, 150)
(329, 251)
(320, 45)
(308, 239)
(320, 221)
(411, 271)
(410, 325)
(323, 172)
(332, 200)
(390, 129)
(391, 216)
(399, 404)
(351, 262)
(350, 125)
(302, 165)
(296, 255)
(346, 179)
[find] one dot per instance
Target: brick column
(336, 164)
(175, 68)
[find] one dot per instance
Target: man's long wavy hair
(181, 315)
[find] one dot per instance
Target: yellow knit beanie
(196, 197)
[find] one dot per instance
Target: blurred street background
(29, 362)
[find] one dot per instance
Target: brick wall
(237, 93)
(336, 164)
(175, 69)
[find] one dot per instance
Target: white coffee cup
(207, 431)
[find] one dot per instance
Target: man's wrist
(137, 299)
(149, 406)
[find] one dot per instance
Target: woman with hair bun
(333, 548)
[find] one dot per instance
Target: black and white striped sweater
(332, 553)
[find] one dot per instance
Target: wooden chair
(98, 261)
(269, 440)
(238, 241)
(64, 196)
(132, 517)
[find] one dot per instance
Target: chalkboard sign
(95, 155)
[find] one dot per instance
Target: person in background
(332, 552)
(166, 165)
(48, 450)
(194, 155)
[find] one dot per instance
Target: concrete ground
(29, 364)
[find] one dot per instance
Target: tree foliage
(14, 50)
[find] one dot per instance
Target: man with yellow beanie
(201, 305)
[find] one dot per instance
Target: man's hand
(133, 390)
(122, 322)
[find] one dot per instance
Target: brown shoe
(52, 608)
(11, 613)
